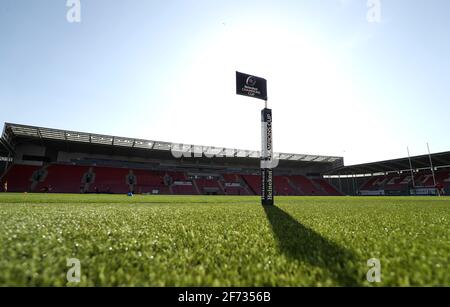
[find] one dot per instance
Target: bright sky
(164, 70)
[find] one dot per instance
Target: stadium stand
(328, 188)
(19, 178)
(212, 186)
(177, 176)
(36, 159)
(78, 162)
(398, 182)
(444, 178)
(69, 179)
(306, 186)
(231, 178)
(393, 177)
(368, 185)
(254, 183)
(150, 182)
(234, 184)
(282, 186)
(109, 180)
(180, 184)
(425, 179)
(402, 181)
(63, 179)
(236, 191)
(184, 190)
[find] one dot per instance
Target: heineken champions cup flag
(251, 86)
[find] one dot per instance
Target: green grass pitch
(223, 241)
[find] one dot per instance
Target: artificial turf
(223, 241)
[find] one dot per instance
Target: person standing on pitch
(5, 187)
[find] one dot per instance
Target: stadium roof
(12, 131)
(396, 165)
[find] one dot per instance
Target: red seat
(64, 178)
(184, 190)
(327, 187)
(19, 177)
(254, 183)
(282, 186)
(110, 180)
(306, 186)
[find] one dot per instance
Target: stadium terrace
(38, 159)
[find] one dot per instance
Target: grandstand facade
(37, 159)
(419, 175)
